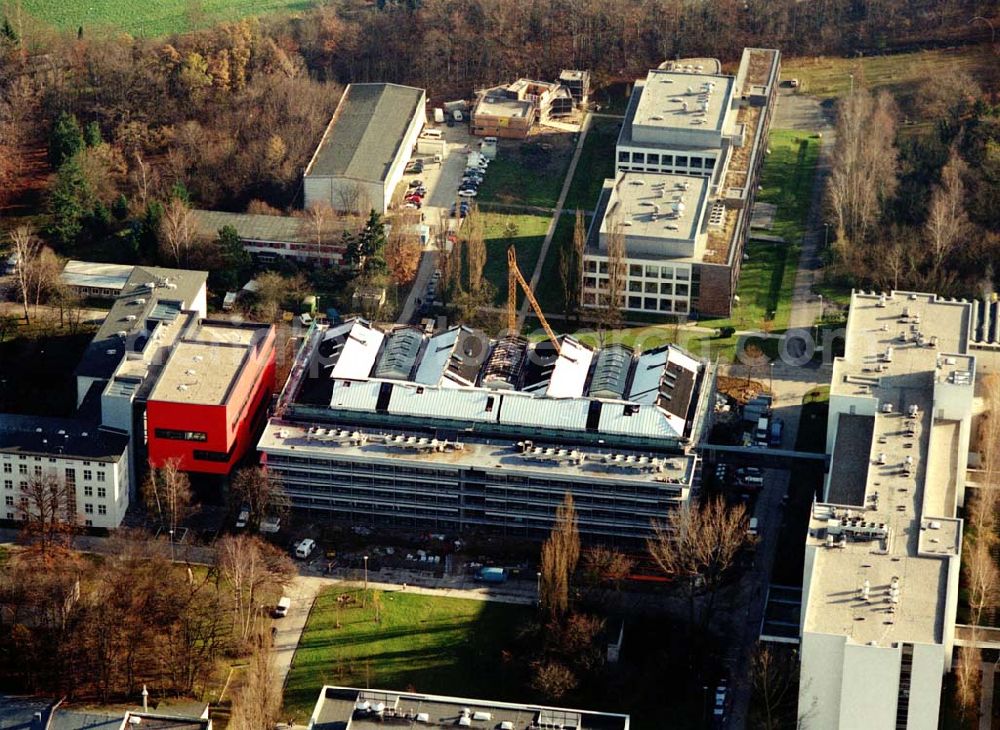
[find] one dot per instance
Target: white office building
(90, 461)
(882, 563)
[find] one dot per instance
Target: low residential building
(578, 83)
(698, 141)
(88, 460)
(270, 237)
(210, 397)
(510, 111)
(365, 148)
(883, 550)
(453, 431)
(374, 709)
(97, 280)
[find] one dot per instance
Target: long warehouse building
(455, 431)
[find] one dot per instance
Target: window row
(655, 158)
(638, 271)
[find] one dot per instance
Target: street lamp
(826, 235)
(366, 573)
(771, 364)
(852, 83)
(172, 558)
(538, 588)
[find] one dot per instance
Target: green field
(150, 19)
(597, 162)
(527, 234)
(900, 73)
(768, 277)
(527, 172)
(422, 643)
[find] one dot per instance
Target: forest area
(106, 138)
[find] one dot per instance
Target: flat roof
(907, 496)
(366, 131)
(665, 94)
(208, 358)
(96, 275)
(503, 106)
(851, 455)
(656, 205)
(66, 437)
(151, 293)
(369, 709)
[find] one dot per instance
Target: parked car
(270, 524)
(243, 517)
(467, 193)
(281, 610)
(416, 183)
(457, 115)
(304, 548)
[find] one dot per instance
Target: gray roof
(339, 707)
(252, 227)
(151, 293)
(18, 712)
(59, 436)
(366, 131)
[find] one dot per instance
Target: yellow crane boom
(514, 277)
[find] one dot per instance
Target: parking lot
(442, 181)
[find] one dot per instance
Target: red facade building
(211, 398)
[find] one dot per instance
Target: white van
(281, 610)
(752, 528)
(431, 133)
(305, 548)
(457, 115)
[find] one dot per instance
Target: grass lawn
(423, 643)
(900, 73)
(549, 290)
(526, 233)
(529, 172)
(597, 162)
(151, 18)
(768, 277)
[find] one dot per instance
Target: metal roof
(611, 372)
(253, 227)
(400, 354)
(366, 132)
(95, 275)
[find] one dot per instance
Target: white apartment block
(883, 551)
(90, 461)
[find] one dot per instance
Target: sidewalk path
(537, 274)
(303, 591)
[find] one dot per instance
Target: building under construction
(455, 431)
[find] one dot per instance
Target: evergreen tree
(66, 139)
(119, 208)
(92, 134)
(236, 262)
(7, 32)
(69, 203)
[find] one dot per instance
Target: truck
(760, 434)
(492, 575)
(439, 115)
(776, 430)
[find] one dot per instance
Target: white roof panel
(570, 373)
(622, 418)
(647, 376)
(527, 410)
(360, 352)
(435, 358)
(465, 403)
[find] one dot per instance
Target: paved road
(537, 274)
(428, 263)
(303, 591)
(986, 696)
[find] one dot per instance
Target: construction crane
(514, 277)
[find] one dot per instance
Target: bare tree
(167, 493)
(27, 249)
(48, 512)
(560, 554)
(774, 683)
(261, 492)
(968, 680)
(255, 572)
(552, 679)
(699, 546)
(403, 248)
(605, 564)
(863, 177)
(258, 701)
(946, 217)
(474, 235)
(177, 230)
(319, 218)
